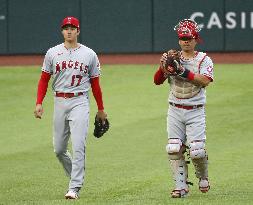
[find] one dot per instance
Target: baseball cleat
(204, 185)
(176, 193)
(72, 195)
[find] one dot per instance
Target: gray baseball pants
(71, 119)
(187, 125)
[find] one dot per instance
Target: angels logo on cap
(70, 20)
(187, 28)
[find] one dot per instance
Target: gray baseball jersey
(71, 69)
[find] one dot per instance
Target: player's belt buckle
(68, 95)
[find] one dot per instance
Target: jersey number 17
(76, 80)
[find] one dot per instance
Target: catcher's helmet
(70, 20)
(187, 28)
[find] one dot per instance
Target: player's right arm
(41, 93)
(161, 74)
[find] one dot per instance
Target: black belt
(67, 95)
(187, 107)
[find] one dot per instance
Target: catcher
(188, 72)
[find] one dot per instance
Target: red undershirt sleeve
(159, 77)
(42, 87)
(97, 93)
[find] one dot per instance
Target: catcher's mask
(188, 29)
(70, 20)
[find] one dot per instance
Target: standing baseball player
(186, 125)
(74, 69)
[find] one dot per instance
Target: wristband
(187, 74)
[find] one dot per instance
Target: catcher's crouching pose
(75, 69)
(188, 73)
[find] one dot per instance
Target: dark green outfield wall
(124, 26)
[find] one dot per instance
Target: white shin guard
(180, 173)
(201, 167)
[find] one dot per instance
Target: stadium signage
(233, 20)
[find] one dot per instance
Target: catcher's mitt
(100, 127)
(172, 63)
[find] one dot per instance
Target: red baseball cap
(187, 28)
(70, 20)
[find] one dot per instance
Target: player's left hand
(38, 111)
(101, 115)
(172, 64)
(101, 124)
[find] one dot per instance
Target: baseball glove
(172, 63)
(100, 127)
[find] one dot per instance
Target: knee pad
(197, 149)
(174, 148)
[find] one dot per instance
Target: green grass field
(129, 164)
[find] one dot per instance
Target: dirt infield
(231, 58)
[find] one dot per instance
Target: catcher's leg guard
(179, 167)
(180, 175)
(200, 161)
